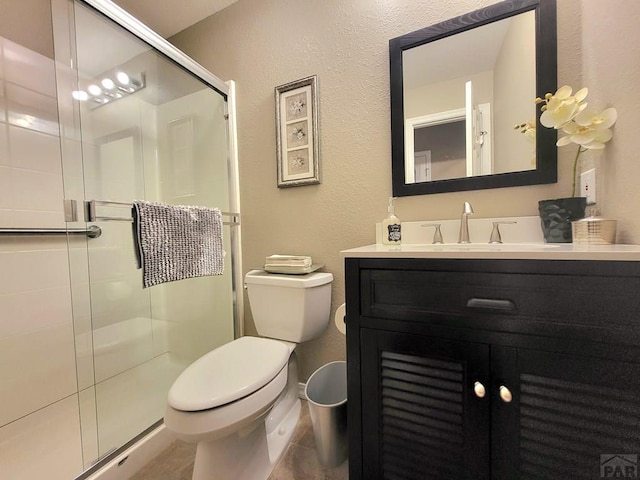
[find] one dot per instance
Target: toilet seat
(219, 422)
(228, 373)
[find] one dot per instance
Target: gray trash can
(326, 392)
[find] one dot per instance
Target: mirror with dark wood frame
(459, 88)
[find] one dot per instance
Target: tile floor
(299, 461)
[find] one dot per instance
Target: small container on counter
(594, 230)
(391, 226)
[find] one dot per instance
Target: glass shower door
(149, 130)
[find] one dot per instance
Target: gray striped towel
(174, 242)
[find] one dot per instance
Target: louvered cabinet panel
(570, 416)
(418, 401)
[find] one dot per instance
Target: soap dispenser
(391, 234)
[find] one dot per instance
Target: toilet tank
(295, 308)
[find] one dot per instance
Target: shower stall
(97, 111)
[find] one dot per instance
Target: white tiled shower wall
(69, 391)
(70, 387)
(39, 412)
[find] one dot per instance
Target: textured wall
(264, 43)
(611, 70)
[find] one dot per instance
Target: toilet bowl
(226, 407)
(240, 402)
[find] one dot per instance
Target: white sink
(483, 247)
(526, 230)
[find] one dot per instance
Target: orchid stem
(575, 170)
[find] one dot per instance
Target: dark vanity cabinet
(493, 369)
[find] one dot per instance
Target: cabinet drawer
(589, 301)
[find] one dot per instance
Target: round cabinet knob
(479, 390)
(505, 394)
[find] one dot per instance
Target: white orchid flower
(528, 129)
(585, 137)
(589, 129)
(597, 142)
(598, 121)
(565, 111)
(562, 107)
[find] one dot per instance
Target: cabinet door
(421, 416)
(570, 417)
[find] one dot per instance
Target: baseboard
(301, 388)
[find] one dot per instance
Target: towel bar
(92, 216)
(93, 231)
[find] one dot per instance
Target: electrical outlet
(588, 186)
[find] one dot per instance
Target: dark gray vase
(556, 216)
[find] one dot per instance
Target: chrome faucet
(463, 237)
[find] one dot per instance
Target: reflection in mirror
(460, 87)
(435, 146)
(481, 80)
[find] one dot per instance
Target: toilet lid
(229, 372)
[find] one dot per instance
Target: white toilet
(240, 401)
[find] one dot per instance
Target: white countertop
(523, 251)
